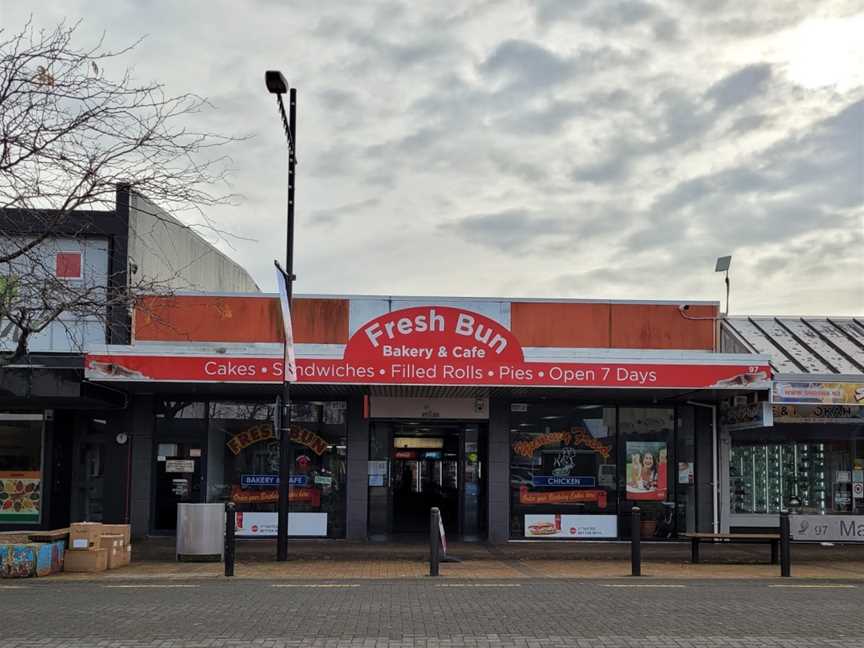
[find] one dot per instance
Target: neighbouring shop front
(803, 451)
(54, 460)
(431, 405)
(22, 443)
(576, 471)
(806, 454)
(220, 451)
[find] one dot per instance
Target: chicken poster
(646, 470)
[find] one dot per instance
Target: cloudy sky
(556, 148)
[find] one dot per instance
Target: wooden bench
(757, 538)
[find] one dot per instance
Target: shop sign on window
(377, 473)
(266, 524)
(180, 466)
(571, 526)
(266, 481)
(746, 417)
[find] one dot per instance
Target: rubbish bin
(200, 531)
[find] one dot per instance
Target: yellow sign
(254, 434)
(576, 436)
(264, 432)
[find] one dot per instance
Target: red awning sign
(434, 345)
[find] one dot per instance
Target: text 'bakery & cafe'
(517, 418)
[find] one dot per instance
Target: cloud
(749, 123)
(612, 14)
(615, 148)
(550, 11)
(338, 215)
(741, 86)
(810, 179)
(666, 29)
(606, 15)
(611, 169)
(559, 230)
(526, 64)
(509, 162)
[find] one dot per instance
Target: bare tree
(69, 136)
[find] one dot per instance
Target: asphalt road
(430, 613)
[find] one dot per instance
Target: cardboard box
(85, 560)
(85, 535)
(111, 541)
(124, 556)
(122, 529)
(116, 549)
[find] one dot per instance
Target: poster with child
(646, 470)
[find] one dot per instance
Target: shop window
(249, 472)
(180, 460)
(20, 469)
(811, 469)
(563, 475)
(179, 409)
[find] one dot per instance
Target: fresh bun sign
(431, 345)
(440, 345)
(426, 345)
(436, 332)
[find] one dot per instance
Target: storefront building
(57, 461)
(804, 452)
(520, 419)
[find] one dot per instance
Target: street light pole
(277, 85)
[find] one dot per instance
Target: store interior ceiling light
(418, 442)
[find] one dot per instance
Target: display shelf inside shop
(768, 478)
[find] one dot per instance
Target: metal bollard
(229, 538)
(636, 542)
(434, 541)
(785, 545)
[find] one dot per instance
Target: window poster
(571, 526)
(685, 472)
(20, 496)
(646, 470)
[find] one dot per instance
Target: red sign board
(432, 345)
(562, 497)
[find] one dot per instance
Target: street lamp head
(276, 83)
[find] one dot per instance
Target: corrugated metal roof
(804, 345)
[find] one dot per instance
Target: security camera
(684, 307)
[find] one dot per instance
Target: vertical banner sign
(290, 361)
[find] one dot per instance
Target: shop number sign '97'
(430, 345)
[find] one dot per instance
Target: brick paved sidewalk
(472, 570)
(162, 549)
(434, 613)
